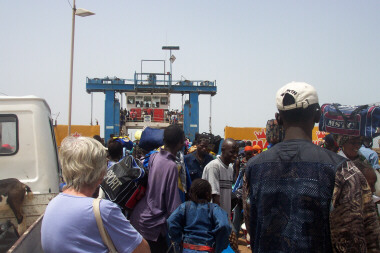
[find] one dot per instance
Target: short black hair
(329, 139)
(173, 135)
(98, 138)
(241, 144)
(115, 149)
(230, 141)
(299, 114)
(200, 191)
(207, 141)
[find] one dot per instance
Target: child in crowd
(199, 224)
(368, 172)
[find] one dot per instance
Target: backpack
(125, 183)
(363, 120)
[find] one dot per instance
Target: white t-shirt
(220, 176)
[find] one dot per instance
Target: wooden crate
(32, 208)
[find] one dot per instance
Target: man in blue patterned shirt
(304, 198)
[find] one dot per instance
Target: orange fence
(257, 135)
(76, 130)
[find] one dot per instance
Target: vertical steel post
(92, 103)
(116, 120)
(194, 115)
(109, 114)
(171, 73)
(210, 115)
(71, 68)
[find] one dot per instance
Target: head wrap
(342, 139)
(257, 148)
(248, 148)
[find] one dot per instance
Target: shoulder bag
(103, 233)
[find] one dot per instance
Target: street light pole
(82, 13)
(171, 60)
(171, 71)
(71, 68)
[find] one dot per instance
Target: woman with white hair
(69, 223)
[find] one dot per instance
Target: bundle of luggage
(363, 120)
(151, 138)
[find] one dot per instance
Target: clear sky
(251, 48)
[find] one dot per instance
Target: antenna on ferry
(172, 59)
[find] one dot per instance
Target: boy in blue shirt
(200, 225)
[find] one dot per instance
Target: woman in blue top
(200, 225)
(69, 224)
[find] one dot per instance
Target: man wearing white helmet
(305, 198)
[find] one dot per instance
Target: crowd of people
(294, 196)
(174, 116)
(169, 116)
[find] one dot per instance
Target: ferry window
(8, 134)
(139, 101)
(147, 101)
(164, 100)
(131, 100)
(155, 102)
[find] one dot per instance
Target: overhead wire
(70, 4)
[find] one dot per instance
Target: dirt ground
(243, 244)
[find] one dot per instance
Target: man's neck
(351, 157)
(173, 151)
(115, 159)
(224, 161)
(296, 132)
(199, 156)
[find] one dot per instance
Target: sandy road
(243, 244)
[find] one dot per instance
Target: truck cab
(28, 149)
(28, 152)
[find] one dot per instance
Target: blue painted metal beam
(122, 85)
(116, 119)
(186, 120)
(194, 116)
(109, 115)
(191, 116)
(150, 88)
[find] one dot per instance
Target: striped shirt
(220, 177)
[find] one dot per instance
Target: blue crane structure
(149, 83)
